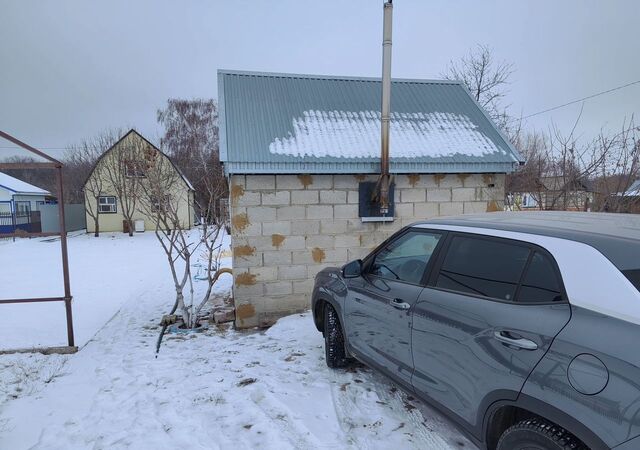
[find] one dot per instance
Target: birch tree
(191, 140)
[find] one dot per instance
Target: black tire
(538, 434)
(334, 350)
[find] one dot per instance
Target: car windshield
(633, 276)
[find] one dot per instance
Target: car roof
(617, 236)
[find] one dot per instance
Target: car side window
(405, 258)
(540, 283)
(487, 267)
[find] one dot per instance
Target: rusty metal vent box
(369, 210)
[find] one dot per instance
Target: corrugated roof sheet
(285, 123)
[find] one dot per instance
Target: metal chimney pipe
(386, 107)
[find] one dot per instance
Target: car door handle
(399, 304)
(525, 344)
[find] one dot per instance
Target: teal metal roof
(286, 123)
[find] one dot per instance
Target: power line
(588, 97)
(608, 91)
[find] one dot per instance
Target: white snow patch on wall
(347, 134)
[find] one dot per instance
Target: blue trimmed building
(18, 200)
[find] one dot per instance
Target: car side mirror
(352, 269)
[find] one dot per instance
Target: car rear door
(379, 304)
(490, 311)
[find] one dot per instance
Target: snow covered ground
(105, 273)
(216, 389)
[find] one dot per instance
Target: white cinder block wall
(286, 228)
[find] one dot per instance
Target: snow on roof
(348, 134)
(20, 187)
(290, 123)
(633, 191)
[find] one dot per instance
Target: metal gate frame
(56, 165)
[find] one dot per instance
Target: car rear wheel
(538, 434)
(334, 350)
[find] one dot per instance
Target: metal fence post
(65, 258)
(56, 165)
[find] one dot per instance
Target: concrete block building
(297, 150)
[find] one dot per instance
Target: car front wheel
(538, 434)
(334, 350)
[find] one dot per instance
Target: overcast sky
(69, 69)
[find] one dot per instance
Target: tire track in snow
(292, 430)
(362, 394)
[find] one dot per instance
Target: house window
(135, 168)
(160, 206)
(107, 205)
(23, 208)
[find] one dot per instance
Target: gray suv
(522, 328)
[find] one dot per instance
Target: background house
(629, 200)
(19, 204)
(296, 149)
(555, 193)
(117, 180)
(566, 193)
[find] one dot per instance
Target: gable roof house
(16, 194)
(298, 150)
(629, 200)
(17, 201)
(124, 164)
(551, 193)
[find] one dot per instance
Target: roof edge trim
(330, 77)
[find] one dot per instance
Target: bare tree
(486, 79)
(83, 174)
(526, 180)
(620, 166)
(161, 199)
(564, 172)
(191, 139)
(125, 169)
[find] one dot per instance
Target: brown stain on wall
(237, 191)
(492, 206)
(487, 178)
(360, 177)
(306, 180)
(413, 179)
(439, 177)
(240, 222)
(246, 279)
(318, 255)
(463, 176)
(245, 311)
(243, 250)
(277, 240)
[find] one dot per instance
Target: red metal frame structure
(56, 165)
